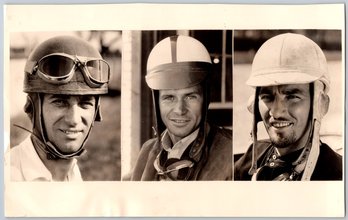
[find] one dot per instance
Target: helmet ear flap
(324, 102)
(29, 108)
(253, 105)
(321, 101)
(251, 102)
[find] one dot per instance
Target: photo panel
(247, 43)
(101, 160)
(218, 43)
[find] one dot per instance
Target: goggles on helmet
(59, 68)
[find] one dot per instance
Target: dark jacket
(328, 166)
(216, 166)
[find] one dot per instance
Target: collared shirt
(179, 148)
(26, 165)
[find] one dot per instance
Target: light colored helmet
(292, 59)
(289, 59)
(64, 55)
(177, 62)
(180, 62)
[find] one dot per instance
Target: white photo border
(187, 199)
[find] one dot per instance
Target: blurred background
(103, 159)
(246, 43)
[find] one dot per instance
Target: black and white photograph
(174, 110)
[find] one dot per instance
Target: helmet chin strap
(320, 107)
(51, 150)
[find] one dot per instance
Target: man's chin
(69, 149)
(281, 142)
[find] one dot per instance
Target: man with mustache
(187, 147)
(290, 76)
(64, 78)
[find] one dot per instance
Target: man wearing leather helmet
(291, 81)
(187, 147)
(64, 78)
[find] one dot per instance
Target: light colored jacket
(24, 164)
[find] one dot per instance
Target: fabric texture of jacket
(328, 166)
(215, 165)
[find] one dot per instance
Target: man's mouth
(179, 120)
(280, 124)
(71, 131)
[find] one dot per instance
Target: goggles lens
(59, 67)
(56, 66)
(98, 70)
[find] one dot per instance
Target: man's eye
(87, 104)
(168, 98)
(191, 97)
(266, 98)
(293, 97)
(59, 102)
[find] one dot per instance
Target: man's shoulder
(329, 155)
(220, 139)
(224, 132)
(325, 147)
(147, 145)
(329, 164)
(19, 149)
(243, 164)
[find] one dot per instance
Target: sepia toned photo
(186, 105)
(65, 120)
(174, 110)
(295, 88)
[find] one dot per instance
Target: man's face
(67, 119)
(181, 110)
(285, 112)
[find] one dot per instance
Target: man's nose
(278, 108)
(73, 115)
(180, 107)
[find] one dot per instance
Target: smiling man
(187, 147)
(64, 78)
(290, 76)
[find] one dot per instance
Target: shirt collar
(179, 148)
(35, 170)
